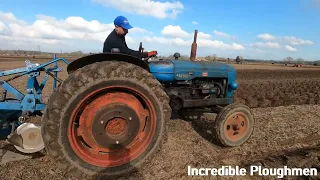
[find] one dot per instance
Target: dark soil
(272, 88)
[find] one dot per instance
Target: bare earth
(286, 105)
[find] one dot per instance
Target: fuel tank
(162, 70)
(175, 70)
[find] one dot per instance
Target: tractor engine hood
(172, 70)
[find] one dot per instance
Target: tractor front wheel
(234, 125)
(106, 120)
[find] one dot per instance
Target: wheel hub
(115, 124)
(236, 127)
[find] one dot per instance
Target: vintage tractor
(108, 117)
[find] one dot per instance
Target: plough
(15, 112)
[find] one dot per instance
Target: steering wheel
(141, 52)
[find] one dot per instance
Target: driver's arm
(124, 49)
(131, 52)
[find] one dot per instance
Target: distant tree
(300, 61)
(288, 60)
(77, 53)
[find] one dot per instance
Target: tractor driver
(116, 39)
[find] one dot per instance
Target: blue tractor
(108, 117)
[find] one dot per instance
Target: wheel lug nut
(101, 122)
(117, 142)
(130, 118)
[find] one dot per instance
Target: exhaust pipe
(194, 47)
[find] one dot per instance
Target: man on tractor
(116, 39)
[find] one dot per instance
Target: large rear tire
(106, 120)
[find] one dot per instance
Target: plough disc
(30, 135)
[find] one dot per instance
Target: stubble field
(285, 102)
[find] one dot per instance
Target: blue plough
(15, 111)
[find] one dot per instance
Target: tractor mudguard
(86, 60)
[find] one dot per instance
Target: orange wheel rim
(113, 128)
(236, 126)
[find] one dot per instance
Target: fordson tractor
(108, 117)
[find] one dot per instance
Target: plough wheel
(234, 125)
(106, 120)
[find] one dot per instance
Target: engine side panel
(188, 70)
(178, 72)
(199, 84)
(198, 92)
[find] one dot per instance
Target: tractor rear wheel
(106, 120)
(234, 125)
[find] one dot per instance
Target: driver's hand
(152, 53)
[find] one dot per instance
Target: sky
(269, 30)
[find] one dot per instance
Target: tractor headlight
(233, 85)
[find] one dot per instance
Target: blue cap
(122, 22)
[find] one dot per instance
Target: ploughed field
(271, 88)
(285, 102)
